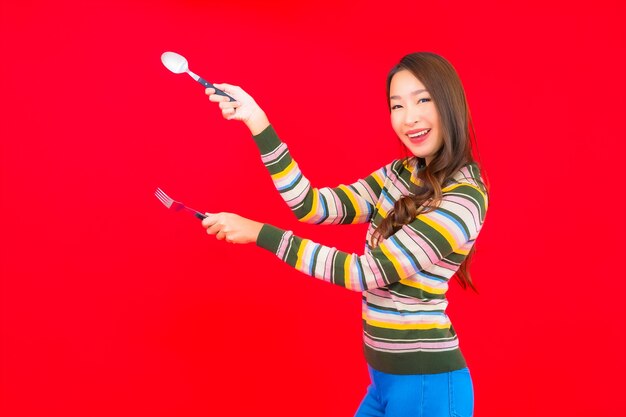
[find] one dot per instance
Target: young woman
(424, 213)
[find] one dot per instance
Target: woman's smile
(418, 136)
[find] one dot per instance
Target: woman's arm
(446, 232)
(345, 204)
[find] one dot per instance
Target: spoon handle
(217, 90)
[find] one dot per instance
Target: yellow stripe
(453, 186)
(378, 178)
(393, 260)
(442, 230)
(346, 272)
(301, 253)
(423, 287)
(285, 171)
(407, 326)
(462, 251)
(313, 211)
(357, 209)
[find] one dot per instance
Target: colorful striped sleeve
(345, 204)
(449, 230)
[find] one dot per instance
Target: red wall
(113, 306)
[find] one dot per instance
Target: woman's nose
(411, 117)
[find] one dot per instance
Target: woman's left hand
(232, 228)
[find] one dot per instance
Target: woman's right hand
(244, 108)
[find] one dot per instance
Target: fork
(176, 205)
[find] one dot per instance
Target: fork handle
(194, 212)
(217, 90)
(199, 215)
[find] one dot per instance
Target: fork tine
(160, 197)
(163, 198)
(168, 198)
(161, 194)
(165, 203)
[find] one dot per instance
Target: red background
(113, 306)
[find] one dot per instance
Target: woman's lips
(420, 139)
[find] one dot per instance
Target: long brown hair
(446, 90)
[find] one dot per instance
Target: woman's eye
(397, 106)
(423, 100)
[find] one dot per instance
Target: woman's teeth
(417, 135)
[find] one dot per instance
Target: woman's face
(414, 116)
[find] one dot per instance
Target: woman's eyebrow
(414, 93)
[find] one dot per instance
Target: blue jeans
(449, 394)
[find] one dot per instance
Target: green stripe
(373, 184)
(267, 140)
(350, 211)
(339, 261)
(306, 205)
(475, 197)
(407, 291)
(279, 164)
(431, 236)
(405, 176)
(415, 362)
(455, 258)
(269, 238)
(376, 306)
(398, 335)
(389, 270)
(292, 254)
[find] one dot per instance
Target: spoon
(178, 64)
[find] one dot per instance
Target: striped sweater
(404, 279)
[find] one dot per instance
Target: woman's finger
(221, 235)
(214, 228)
(216, 98)
(228, 113)
(229, 104)
(209, 220)
(213, 96)
(227, 88)
(213, 223)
